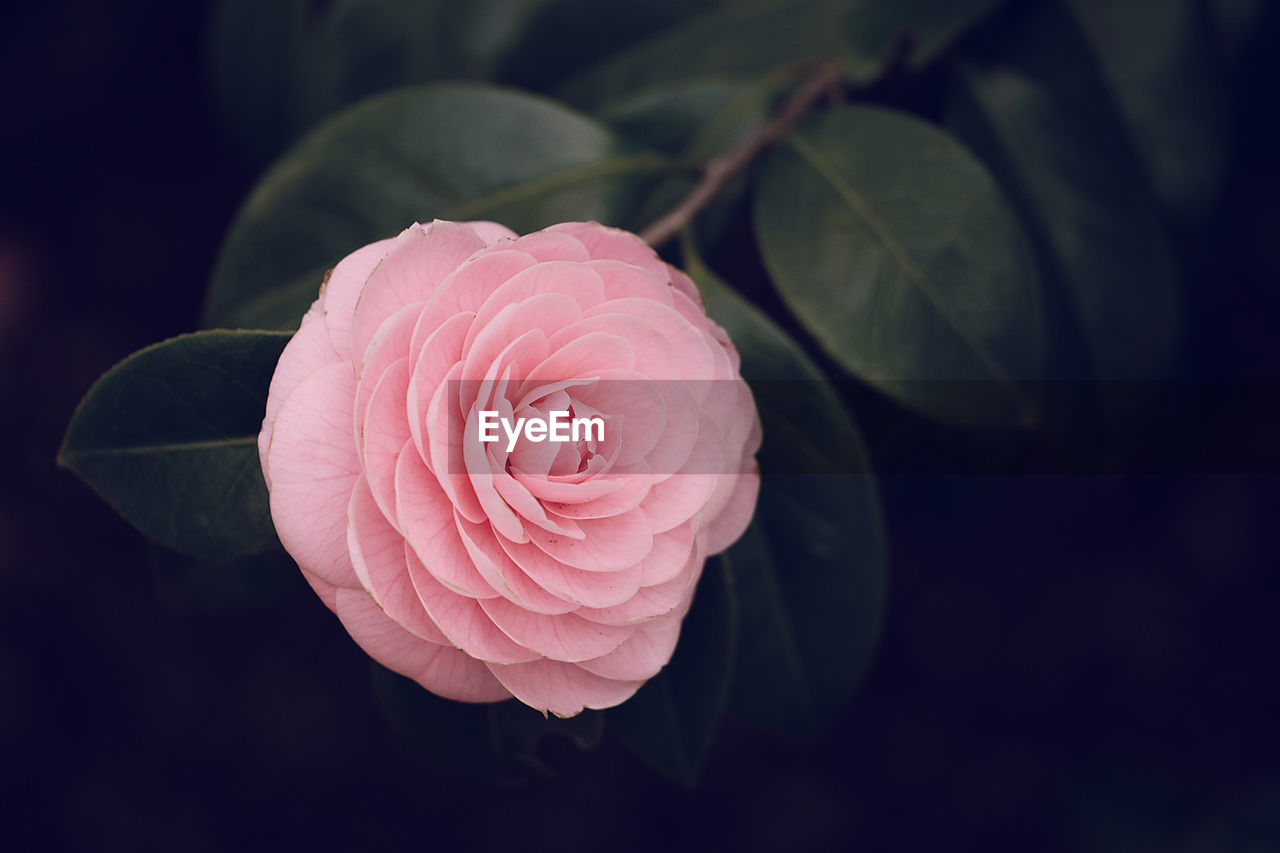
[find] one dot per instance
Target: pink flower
(555, 572)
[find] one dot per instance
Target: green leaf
(564, 36)
(1090, 211)
(490, 742)
(169, 438)
(676, 118)
(280, 67)
(449, 152)
(897, 250)
(696, 121)
(742, 41)
(809, 575)
(672, 719)
(873, 29)
(1168, 82)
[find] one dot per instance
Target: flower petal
(377, 555)
(563, 689)
(490, 232)
(427, 519)
(443, 670)
(731, 522)
(307, 351)
(462, 619)
(415, 264)
(342, 288)
(314, 467)
(641, 657)
(565, 636)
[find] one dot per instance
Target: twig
(720, 171)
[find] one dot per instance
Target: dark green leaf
(564, 36)
(696, 121)
(810, 573)
(280, 67)
(448, 152)
(896, 249)
(1091, 212)
(491, 742)
(874, 29)
(169, 438)
(672, 118)
(672, 719)
(1168, 82)
(743, 41)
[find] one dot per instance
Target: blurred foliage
(987, 198)
(672, 719)
(810, 572)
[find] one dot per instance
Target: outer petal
(417, 262)
(732, 520)
(307, 351)
(651, 601)
(641, 656)
(313, 470)
(490, 232)
(443, 670)
(463, 621)
(614, 244)
(563, 689)
(342, 289)
(566, 637)
(378, 557)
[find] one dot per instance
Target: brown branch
(719, 172)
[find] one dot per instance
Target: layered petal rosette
(557, 572)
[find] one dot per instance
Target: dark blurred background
(1070, 662)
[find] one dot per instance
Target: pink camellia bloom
(557, 572)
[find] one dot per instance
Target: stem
(719, 172)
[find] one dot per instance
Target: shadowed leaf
(447, 152)
(169, 438)
(896, 249)
(809, 574)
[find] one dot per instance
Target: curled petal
(414, 265)
(443, 670)
(642, 655)
(565, 637)
(342, 289)
(307, 351)
(731, 521)
(463, 620)
(314, 468)
(490, 232)
(559, 688)
(377, 555)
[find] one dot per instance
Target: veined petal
(563, 689)
(443, 670)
